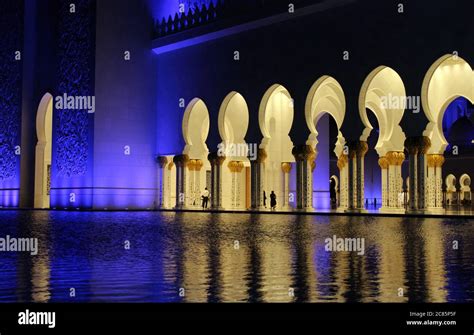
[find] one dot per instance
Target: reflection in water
(202, 257)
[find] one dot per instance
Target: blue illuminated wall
(125, 172)
(72, 160)
(11, 21)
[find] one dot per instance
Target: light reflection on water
(234, 257)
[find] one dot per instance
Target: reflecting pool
(202, 257)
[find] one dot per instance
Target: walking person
(264, 199)
(205, 198)
(273, 200)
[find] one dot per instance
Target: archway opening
(372, 171)
(458, 129)
(44, 133)
(275, 120)
(233, 124)
(383, 94)
(325, 163)
(195, 132)
(324, 113)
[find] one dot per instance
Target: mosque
(307, 105)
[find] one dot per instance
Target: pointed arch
(383, 93)
(325, 96)
(448, 78)
(196, 129)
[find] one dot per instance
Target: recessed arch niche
(43, 152)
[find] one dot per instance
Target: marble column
(411, 146)
(395, 188)
(257, 171)
(361, 151)
(435, 192)
(304, 156)
(194, 183)
(352, 177)
(342, 165)
(162, 162)
(384, 165)
(424, 144)
(236, 168)
(216, 179)
(181, 162)
(286, 169)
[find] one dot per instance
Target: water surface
(201, 257)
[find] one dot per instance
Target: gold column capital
(361, 148)
(162, 161)
(411, 145)
(261, 155)
(342, 161)
(435, 160)
(304, 153)
(384, 163)
(424, 144)
(181, 160)
(216, 159)
(235, 166)
(395, 157)
(286, 167)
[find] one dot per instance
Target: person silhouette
(273, 200)
(264, 199)
(205, 198)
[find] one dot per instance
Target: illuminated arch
(465, 183)
(325, 96)
(275, 118)
(233, 124)
(196, 129)
(377, 91)
(233, 119)
(450, 182)
(448, 78)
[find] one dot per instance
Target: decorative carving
(236, 166)
(76, 57)
(11, 21)
(395, 157)
(435, 160)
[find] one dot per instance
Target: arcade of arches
(282, 172)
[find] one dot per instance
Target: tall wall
(125, 120)
(73, 128)
(11, 21)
